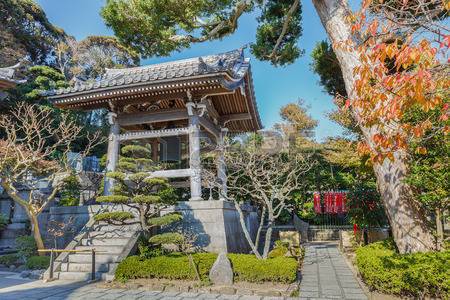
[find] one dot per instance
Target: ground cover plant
(417, 275)
(38, 262)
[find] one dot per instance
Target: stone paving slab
(65, 290)
(326, 275)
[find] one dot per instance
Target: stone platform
(216, 225)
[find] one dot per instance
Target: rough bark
(37, 233)
(409, 226)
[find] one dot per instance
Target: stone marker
(221, 272)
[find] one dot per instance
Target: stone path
(62, 290)
(325, 274)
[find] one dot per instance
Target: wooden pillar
(221, 166)
(194, 156)
(113, 151)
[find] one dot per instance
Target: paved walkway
(62, 290)
(325, 274)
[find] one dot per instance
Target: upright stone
(221, 272)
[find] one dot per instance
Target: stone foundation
(215, 224)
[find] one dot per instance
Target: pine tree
(145, 196)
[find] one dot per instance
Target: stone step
(103, 248)
(86, 267)
(78, 276)
(99, 258)
(110, 234)
(100, 241)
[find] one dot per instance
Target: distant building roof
(7, 79)
(225, 77)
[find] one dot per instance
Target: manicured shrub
(26, 247)
(418, 274)
(38, 262)
(171, 266)
(247, 267)
(9, 259)
(280, 249)
(3, 221)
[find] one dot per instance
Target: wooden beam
(210, 127)
(235, 117)
(212, 112)
(179, 173)
(152, 117)
(149, 134)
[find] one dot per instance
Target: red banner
(334, 203)
(317, 204)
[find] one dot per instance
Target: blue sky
(274, 87)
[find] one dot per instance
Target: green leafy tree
(26, 32)
(160, 27)
(144, 196)
(89, 58)
(428, 172)
(70, 192)
(325, 64)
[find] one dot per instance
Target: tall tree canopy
(26, 32)
(89, 58)
(160, 27)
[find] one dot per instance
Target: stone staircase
(111, 243)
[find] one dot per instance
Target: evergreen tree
(144, 196)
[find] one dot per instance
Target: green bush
(9, 259)
(281, 249)
(171, 266)
(3, 221)
(38, 262)
(247, 267)
(26, 247)
(418, 274)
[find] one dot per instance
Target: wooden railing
(52, 259)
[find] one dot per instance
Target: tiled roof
(7, 74)
(232, 62)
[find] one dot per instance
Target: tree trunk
(37, 233)
(439, 227)
(268, 237)
(261, 224)
(246, 233)
(408, 224)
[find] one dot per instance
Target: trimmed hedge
(38, 262)
(418, 274)
(246, 267)
(9, 259)
(172, 266)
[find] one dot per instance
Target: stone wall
(215, 224)
(76, 216)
